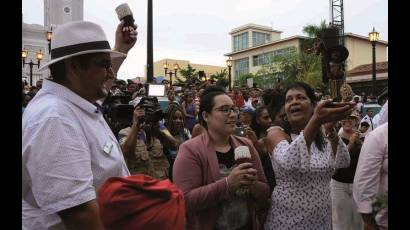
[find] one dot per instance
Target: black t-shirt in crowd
(227, 159)
(346, 175)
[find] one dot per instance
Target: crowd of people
(279, 158)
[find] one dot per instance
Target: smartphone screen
(240, 131)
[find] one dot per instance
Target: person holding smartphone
(344, 211)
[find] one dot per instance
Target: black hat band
(72, 49)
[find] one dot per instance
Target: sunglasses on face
(227, 109)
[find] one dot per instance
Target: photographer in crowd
(143, 143)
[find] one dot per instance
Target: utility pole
(150, 56)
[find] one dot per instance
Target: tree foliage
(241, 79)
(289, 68)
(221, 78)
(190, 74)
(313, 32)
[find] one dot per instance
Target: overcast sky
(197, 30)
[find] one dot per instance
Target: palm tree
(313, 31)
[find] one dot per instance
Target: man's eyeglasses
(226, 109)
(103, 64)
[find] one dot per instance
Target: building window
(284, 51)
(265, 58)
(240, 42)
(260, 38)
(241, 66)
(262, 59)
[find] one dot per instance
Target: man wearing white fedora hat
(68, 150)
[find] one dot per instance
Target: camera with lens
(153, 112)
(118, 112)
(118, 109)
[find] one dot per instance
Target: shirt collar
(65, 93)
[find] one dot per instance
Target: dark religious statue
(332, 66)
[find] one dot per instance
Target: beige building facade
(360, 50)
(252, 45)
(183, 64)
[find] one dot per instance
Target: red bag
(141, 202)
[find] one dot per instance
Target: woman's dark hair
(207, 101)
(274, 99)
(256, 127)
(172, 109)
(307, 88)
(245, 95)
(187, 94)
(266, 96)
(310, 93)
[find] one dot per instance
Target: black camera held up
(118, 112)
(153, 112)
(118, 109)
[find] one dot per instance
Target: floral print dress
(301, 198)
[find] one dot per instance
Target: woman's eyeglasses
(226, 109)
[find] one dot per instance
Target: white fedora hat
(77, 38)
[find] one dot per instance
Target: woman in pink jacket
(219, 192)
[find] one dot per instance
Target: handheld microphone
(124, 13)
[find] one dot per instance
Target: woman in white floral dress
(304, 166)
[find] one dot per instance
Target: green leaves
(289, 68)
(313, 31)
(241, 80)
(381, 202)
(221, 78)
(190, 74)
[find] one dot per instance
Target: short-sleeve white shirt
(68, 151)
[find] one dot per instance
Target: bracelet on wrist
(117, 50)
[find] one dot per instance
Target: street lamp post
(39, 56)
(49, 35)
(373, 38)
(204, 78)
(229, 64)
(176, 67)
(150, 54)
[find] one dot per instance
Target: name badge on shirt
(108, 147)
